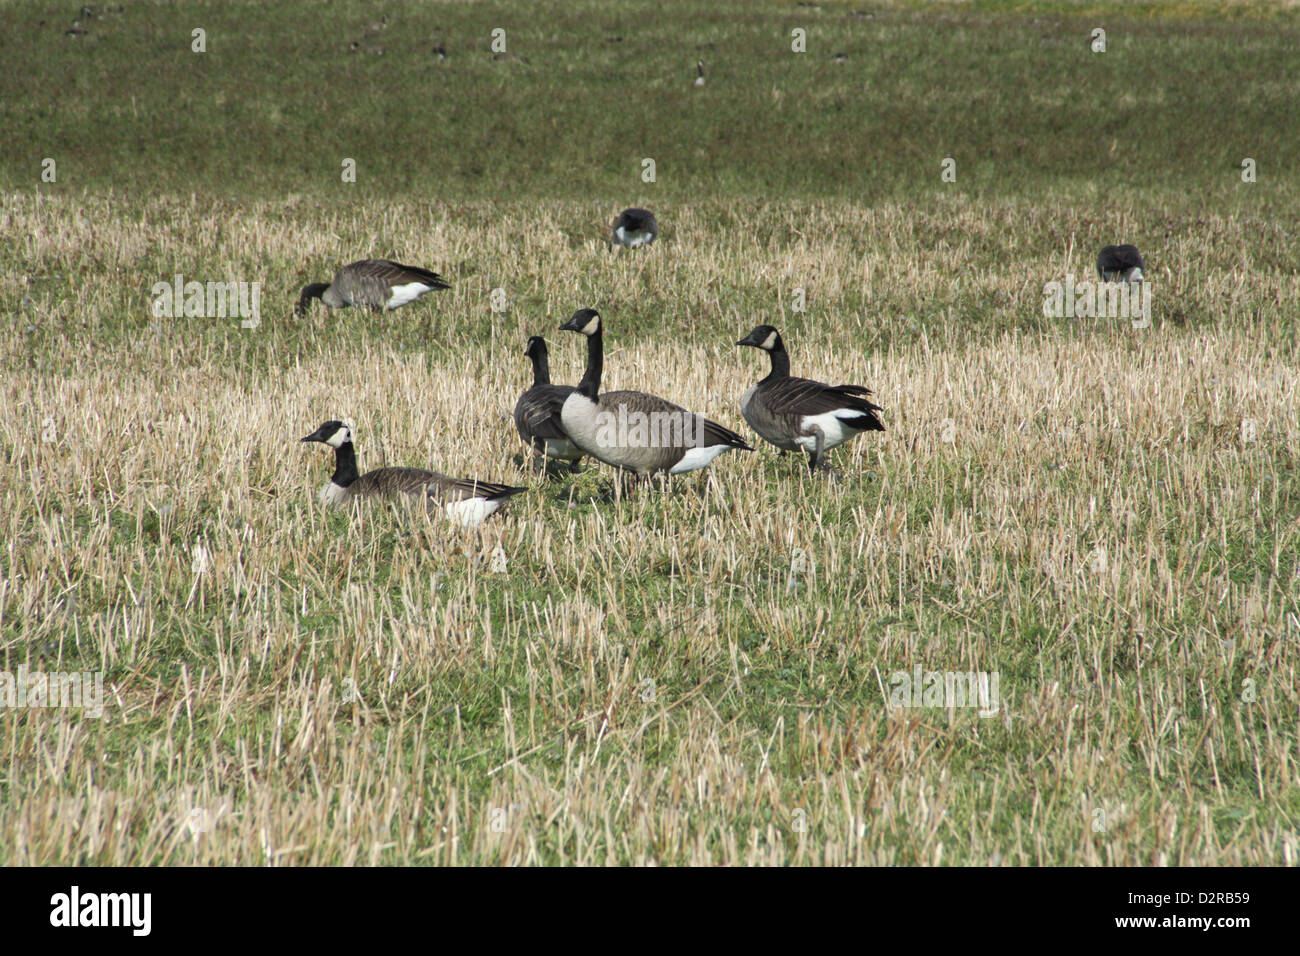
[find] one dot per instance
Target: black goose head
(536, 347)
(763, 337)
(332, 433)
(313, 291)
(585, 321)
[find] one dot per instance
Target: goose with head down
(374, 284)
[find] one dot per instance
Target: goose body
(635, 227)
(800, 414)
(537, 413)
(635, 431)
(1119, 264)
(374, 284)
(465, 501)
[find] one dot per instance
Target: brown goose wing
(431, 485)
(713, 433)
(537, 414)
(803, 396)
(394, 273)
(368, 283)
(458, 489)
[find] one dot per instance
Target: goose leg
(575, 466)
(817, 459)
(815, 456)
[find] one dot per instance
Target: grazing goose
(537, 413)
(699, 72)
(1120, 264)
(374, 284)
(640, 433)
(794, 413)
(464, 500)
(635, 227)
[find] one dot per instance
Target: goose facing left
(465, 501)
(374, 284)
(640, 433)
(801, 414)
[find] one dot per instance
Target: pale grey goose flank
(799, 413)
(374, 284)
(1119, 264)
(642, 434)
(537, 413)
(635, 227)
(464, 500)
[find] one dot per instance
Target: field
(1103, 513)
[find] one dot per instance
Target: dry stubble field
(1075, 504)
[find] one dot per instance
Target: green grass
(585, 91)
(767, 738)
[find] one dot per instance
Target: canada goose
(465, 500)
(640, 433)
(794, 413)
(537, 413)
(635, 227)
(699, 72)
(1119, 264)
(374, 284)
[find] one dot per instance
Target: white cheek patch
(340, 438)
(591, 327)
(770, 342)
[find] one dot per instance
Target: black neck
(780, 361)
(345, 465)
(541, 367)
(590, 384)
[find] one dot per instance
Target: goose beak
(314, 436)
(571, 326)
(748, 340)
